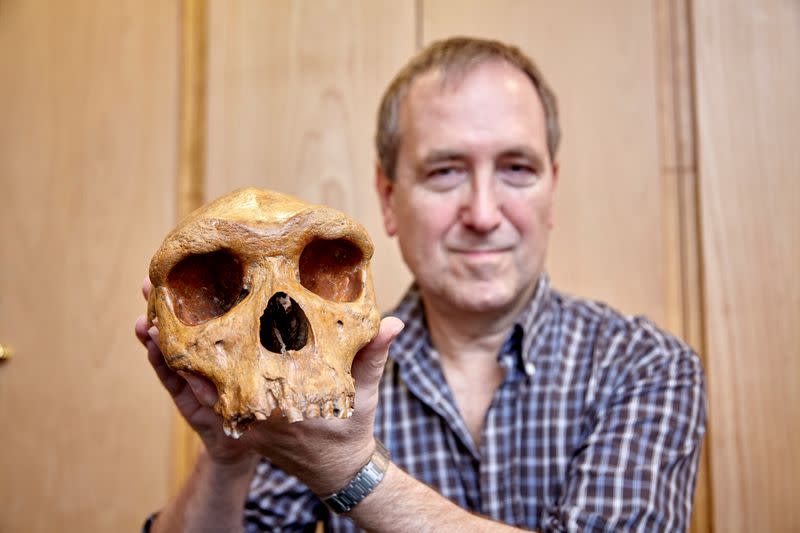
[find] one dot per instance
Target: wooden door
(87, 166)
(748, 74)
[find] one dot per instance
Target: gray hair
(456, 57)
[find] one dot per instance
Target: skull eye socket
(205, 286)
(332, 269)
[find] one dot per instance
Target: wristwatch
(362, 484)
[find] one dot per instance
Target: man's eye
(443, 178)
(441, 172)
(519, 174)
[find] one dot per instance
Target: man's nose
(481, 211)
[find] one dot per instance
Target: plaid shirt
(597, 426)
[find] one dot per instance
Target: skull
(269, 298)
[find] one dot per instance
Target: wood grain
(747, 74)
(87, 166)
(193, 86)
(678, 155)
(191, 174)
(292, 97)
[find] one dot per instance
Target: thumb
(370, 360)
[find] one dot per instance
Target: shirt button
(530, 368)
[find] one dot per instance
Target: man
(504, 404)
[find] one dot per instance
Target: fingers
(149, 339)
(146, 288)
(169, 378)
(203, 389)
(190, 401)
(370, 360)
(141, 322)
(141, 330)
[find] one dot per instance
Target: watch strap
(362, 484)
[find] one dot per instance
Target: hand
(194, 396)
(326, 454)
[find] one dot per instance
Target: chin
(481, 300)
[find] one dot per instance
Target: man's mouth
(480, 252)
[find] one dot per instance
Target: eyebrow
(524, 152)
(436, 156)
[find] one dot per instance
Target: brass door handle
(5, 352)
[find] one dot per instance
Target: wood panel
(87, 166)
(680, 201)
(293, 92)
(191, 172)
(610, 240)
(747, 74)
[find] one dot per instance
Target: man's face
(471, 203)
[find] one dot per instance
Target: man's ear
(385, 187)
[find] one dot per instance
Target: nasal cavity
(284, 325)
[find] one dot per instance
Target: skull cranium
(269, 298)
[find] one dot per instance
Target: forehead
(489, 105)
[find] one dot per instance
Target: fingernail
(153, 332)
(400, 326)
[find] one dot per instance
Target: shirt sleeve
(636, 468)
(281, 503)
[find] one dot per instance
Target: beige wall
(748, 111)
(88, 94)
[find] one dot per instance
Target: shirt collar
(532, 320)
(415, 333)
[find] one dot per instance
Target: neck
(468, 337)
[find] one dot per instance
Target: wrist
(335, 473)
(362, 484)
(233, 467)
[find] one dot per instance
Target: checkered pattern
(596, 427)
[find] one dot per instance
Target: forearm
(211, 499)
(401, 503)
